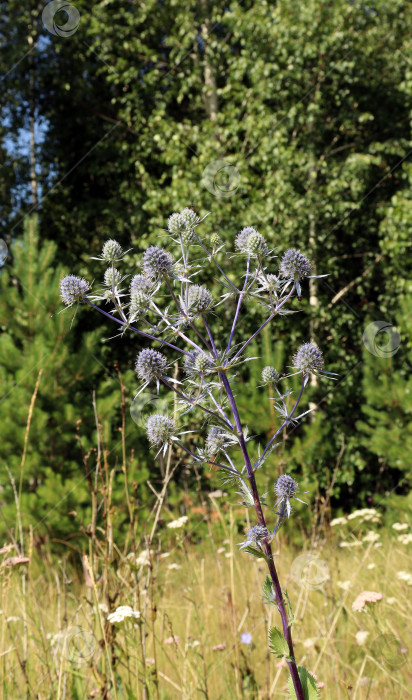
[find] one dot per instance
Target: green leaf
(277, 643)
(269, 592)
(255, 552)
(310, 689)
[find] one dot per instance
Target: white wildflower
(361, 637)
(400, 526)
(122, 613)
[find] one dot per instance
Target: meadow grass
(196, 601)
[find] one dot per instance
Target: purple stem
(268, 320)
(239, 304)
(136, 330)
(287, 633)
(284, 424)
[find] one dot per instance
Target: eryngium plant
(162, 303)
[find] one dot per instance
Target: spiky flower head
(156, 261)
(256, 244)
(199, 298)
(139, 301)
(294, 265)
(285, 487)
(242, 238)
(216, 440)
(215, 240)
(198, 362)
(183, 224)
(308, 358)
(111, 277)
(256, 534)
(112, 251)
(175, 223)
(140, 283)
(73, 289)
(190, 218)
(270, 375)
(150, 364)
(159, 429)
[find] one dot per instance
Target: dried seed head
(112, 251)
(150, 364)
(156, 261)
(294, 265)
(308, 358)
(270, 374)
(73, 289)
(159, 429)
(199, 298)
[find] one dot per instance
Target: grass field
(202, 629)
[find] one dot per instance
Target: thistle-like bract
(270, 375)
(112, 251)
(73, 289)
(159, 429)
(294, 265)
(309, 358)
(199, 298)
(150, 364)
(156, 261)
(111, 276)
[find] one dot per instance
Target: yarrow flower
(199, 298)
(309, 358)
(73, 289)
(157, 261)
(270, 375)
(294, 265)
(364, 598)
(160, 429)
(122, 613)
(150, 364)
(180, 522)
(112, 251)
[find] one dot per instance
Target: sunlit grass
(196, 602)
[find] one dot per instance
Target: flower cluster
(73, 289)
(197, 363)
(112, 251)
(112, 277)
(160, 429)
(270, 375)
(150, 364)
(216, 440)
(294, 265)
(157, 261)
(122, 613)
(183, 224)
(308, 358)
(251, 242)
(199, 299)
